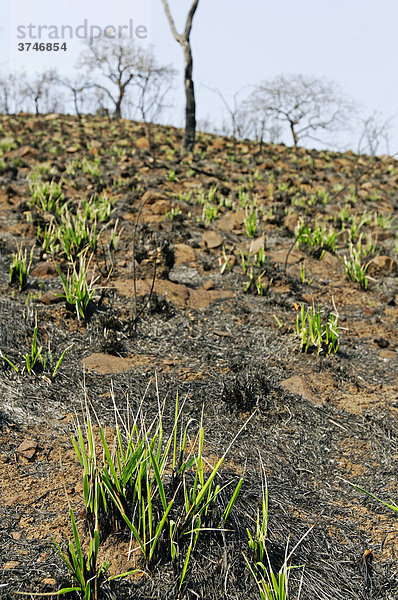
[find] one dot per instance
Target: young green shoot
(20, 267)
(316, 335)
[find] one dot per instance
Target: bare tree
(239, 126)
(375, 132)
(41, 91)
(11, 92)
(118, 61)
(306, 105)
(77, 88)
(184, 40)
(263, 127)
(152, 86)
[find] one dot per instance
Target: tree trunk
(183, 40)
(295, 140)
(190, 107)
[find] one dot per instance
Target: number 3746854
(42, 46)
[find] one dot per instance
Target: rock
(52, 297)
(11, 564)
(256, 245)
(27, 449)
(142, 143)
(105, 364)
(382, 265)
(297, 385)
(184, 274)
(208, 285)
(183, 254)
(48, 581)
(23, 151)
(212, 239)
(178, 294)
(290, 222)
(72, 149)
(151, 196)
(44, 269)
(160, 207)
(331, 260)
(51, 117)
(231, 220)
(218, 144)
(200, 298)
(279, 256)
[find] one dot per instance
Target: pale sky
(235, 43)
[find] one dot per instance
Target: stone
(106, 364)
(142, 143)
(151, 196)
(52, 297)
(200, 298)
(291, 221)
(183, 254)
(382, 265)
(297, 385)
(160, 207)
(9, 565)
(43, 269)
(23, 151)
(72, 149)
(212, 239)
(231, 220)
(27, 449)
(218, 144)
(256, 245)
(184, 274)
(279, 256)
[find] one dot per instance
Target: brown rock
(160, 207)
(48, 581)
(218, 144)
(105, 364)
(176, 293)
(151, 196)
(208, 285)
(72, 149)
(387, 354)
(142, 143)
(382, 265)
(11, 564)
(44, 269)
(297, 385)
(291, 221)
(212, 239)
(183, 254)
(331, 260)
(23, 151)
(231, 220)
(279, 256)
(52, 297)
(256, 245)
(200, 298)
(27, 449)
